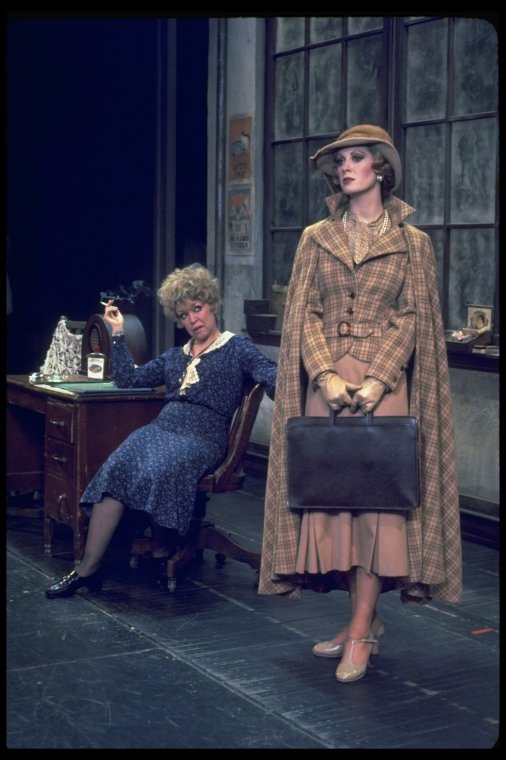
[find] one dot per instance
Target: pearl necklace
(360, 234)
(383, 228)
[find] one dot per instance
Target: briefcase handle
(360, 419)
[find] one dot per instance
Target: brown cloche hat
(361, 134)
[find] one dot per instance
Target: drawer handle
(57, 423)
(61, 498)
(58, 458)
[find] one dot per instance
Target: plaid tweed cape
(434, 540)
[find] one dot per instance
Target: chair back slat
(230, 473)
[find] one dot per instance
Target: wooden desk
(56, 442)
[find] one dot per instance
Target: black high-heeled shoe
(68, 585)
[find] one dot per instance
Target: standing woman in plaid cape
(362, 331)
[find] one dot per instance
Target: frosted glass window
(475, 63)
(358, 24)
(474, 164)
(325, 97)
(426, 73)
(289, 105)
(287, 195)
(318, 187)
(424, 173)
(284, 245)
(365, 100)
(325, 28)
(472, 272)
(289, 33)
(436, 237)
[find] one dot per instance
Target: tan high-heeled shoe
(331, 649)
(347, 671)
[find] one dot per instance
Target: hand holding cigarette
(112, 315)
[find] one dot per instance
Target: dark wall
(191, 156)
(81, 139)
(81, 152)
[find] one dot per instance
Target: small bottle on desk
(95, 364)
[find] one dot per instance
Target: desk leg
(79, 536)
(48, 534)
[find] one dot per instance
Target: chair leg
(180, 559)
(204, 535)
(214, 539)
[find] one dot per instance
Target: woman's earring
(379, 177)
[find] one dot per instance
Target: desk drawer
(59, 458)
(60, 421)
(58, 501)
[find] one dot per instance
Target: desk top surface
(92, 389)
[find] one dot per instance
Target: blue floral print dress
(157, 468)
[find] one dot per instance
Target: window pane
(318, 191)
(289, 102)
(325, 104)
(472, 272)
(426, 74)
(436, 237)
(287, 185)
(289, 33)
(365, 74)
(364, 24)
(475, 62)
(284, 245)
(318, 187)
(325, 28)
(474, 165)
(424, 173)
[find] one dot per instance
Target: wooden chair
(229, 476)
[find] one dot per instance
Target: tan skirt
(338, 540)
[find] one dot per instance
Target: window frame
(395, 31)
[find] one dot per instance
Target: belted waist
(347, 329)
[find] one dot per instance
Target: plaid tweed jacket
(387, 329)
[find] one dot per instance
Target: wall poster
(239, 158)
(239, 221)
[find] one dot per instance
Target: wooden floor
(215, 665)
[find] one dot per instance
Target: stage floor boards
(215, 665)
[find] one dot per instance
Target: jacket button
(350, 310)
(352, 294)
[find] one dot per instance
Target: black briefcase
(361, 462)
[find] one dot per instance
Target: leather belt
(360, 329)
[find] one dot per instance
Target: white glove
(335, 390)
(368, 396)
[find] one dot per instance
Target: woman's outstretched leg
(105, 518)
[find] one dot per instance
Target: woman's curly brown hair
(192, 283)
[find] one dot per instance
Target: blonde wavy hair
(192, 283)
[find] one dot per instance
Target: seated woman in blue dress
(157, 468)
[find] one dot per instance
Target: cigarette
(104, 303)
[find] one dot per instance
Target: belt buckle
(343, 329)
